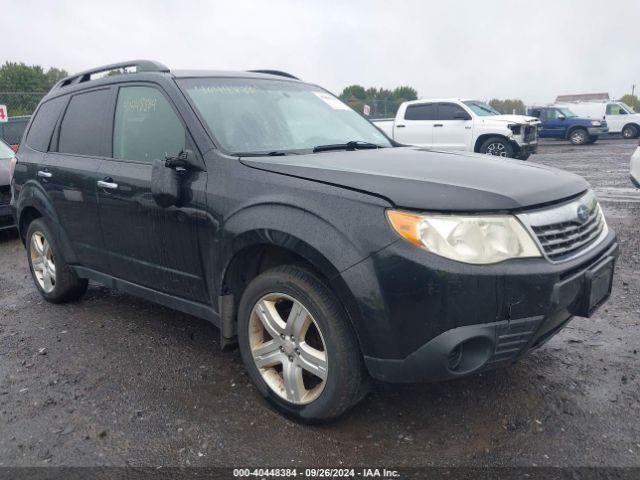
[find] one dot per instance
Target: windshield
(5, 151)
(261, 116)
(627, 107)
(566, 112)
(481, 108)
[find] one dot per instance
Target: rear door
(416, 128)
(452, 129)
(147, 245)
(68, 171)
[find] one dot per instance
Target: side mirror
(165, 184)
(561, 117)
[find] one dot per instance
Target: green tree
(508, 106)
(23, 86)
(383, 102)
(632, 101)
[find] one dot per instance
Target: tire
(53, 278)
(630, 131)
(497, 146)
(592, 139)
(578, 136)
(328, 335)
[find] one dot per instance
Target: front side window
(451, 111)
(616, 109)
(5, 151)
(258, 115)
(146, 127)
(82, 131)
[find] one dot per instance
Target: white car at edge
(635, 167)
(462, 124)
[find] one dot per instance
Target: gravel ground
(113, 380)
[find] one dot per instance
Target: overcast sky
(533, 50)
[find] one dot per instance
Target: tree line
(23, 86)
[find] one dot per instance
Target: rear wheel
(630, 131)
(579, 136)
(497, 146)
(53, 278)
(298, 346)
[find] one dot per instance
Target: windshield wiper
(353, 145)
(275, 153)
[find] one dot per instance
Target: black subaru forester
(329, 253)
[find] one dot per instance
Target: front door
(453, 128)
(617, 117)
(148, 245)
(555, 123)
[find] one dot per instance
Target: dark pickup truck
(562, 123)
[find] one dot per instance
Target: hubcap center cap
(289, 347)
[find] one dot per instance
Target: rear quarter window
(425, 111)
(41, 130)
(83, 128)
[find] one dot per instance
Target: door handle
(108, 185)
(437, 125)
(399, 126)
(44, 174)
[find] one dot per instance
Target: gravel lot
(113, 380)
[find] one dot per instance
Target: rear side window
(426, 111)
(82, 131)
(449, 111)
(41, 129)
(146, 127)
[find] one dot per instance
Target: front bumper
(635, 168)
(420, 307)
(595, 131)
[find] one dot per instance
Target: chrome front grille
(564, 238)
(567, 230)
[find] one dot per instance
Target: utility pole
(633, 89)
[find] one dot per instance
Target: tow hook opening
(469, 355)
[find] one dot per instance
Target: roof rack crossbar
(140, 65)
(275, 72)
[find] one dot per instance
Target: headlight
(478, 239)
(595, 123)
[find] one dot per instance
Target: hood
(524, 119)
(421, 179)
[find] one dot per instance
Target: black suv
(329, 253)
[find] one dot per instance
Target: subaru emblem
(583, 213)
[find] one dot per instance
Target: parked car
(11, 131)
(635, 167)
(560, 122)
(331, 255)
(458, 124)
(620, 117)
(7, 160)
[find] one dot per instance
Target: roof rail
(275, 72)
(140, 65)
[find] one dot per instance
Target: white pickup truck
(460, 124)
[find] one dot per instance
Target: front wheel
(579, 136)
(630, 131)
(298, 346)
(497, 146)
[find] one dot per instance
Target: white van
(620, 117)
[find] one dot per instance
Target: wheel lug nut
(291, 358)
(282, 349)
(298, 351)
(282, 336)
(292, 338)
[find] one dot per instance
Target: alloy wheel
(287, 348)
(44, 268)
(497, 149)
(578, 137)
